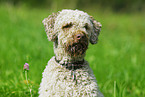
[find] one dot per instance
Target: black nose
(80, 36)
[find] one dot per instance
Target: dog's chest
(60, 74)
(60, 81)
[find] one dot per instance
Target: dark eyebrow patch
(86, 26)
(67, 26)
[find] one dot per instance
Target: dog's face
(72, 30)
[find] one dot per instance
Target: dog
(68, 74)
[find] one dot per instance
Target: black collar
(72, 65)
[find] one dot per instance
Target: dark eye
(86, 26)
(67, 26)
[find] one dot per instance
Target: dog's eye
(67, 26)
(86, 26)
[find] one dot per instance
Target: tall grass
(117, 60)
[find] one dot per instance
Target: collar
(72, 65)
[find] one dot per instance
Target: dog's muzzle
(78, 45)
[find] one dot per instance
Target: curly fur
(62, 28)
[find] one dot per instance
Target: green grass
(117, 60)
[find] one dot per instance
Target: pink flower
(26, 66)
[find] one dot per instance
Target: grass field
(118, 60)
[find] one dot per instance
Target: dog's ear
(49, 26)
(96, 31)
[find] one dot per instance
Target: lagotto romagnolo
(68, 74)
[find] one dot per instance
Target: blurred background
(114, 5)
(117, 60)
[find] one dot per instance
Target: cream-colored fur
(57, 80)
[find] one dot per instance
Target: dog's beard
(76, 48)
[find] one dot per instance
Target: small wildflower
(26, 66)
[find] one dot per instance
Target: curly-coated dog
(67, 73)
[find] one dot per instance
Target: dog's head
(72, 30)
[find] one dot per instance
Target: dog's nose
(80, 36)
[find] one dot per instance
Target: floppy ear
(49, 26)
(96, 30)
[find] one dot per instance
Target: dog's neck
(71, 65)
